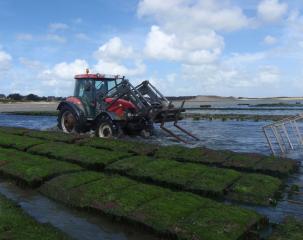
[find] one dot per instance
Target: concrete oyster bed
(173, 194)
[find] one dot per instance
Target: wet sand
(28, 106)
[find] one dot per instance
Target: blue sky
(184, 47)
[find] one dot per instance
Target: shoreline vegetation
(172, 191)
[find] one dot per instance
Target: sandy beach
(28, 106)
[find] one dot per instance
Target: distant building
(2, 96)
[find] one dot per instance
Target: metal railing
(284, 135)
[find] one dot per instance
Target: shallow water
(77, 224)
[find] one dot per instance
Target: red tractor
(111, 105)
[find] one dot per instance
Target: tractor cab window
(83, 88)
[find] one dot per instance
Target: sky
(251, 48)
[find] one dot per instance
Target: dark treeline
(180, 98)
(30, 97)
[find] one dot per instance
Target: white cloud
(33, 64)
(57, 27)
(114, 57)
(268, 75)
(114, 49)
(199, 49)
(194, 15)
(55, 38)
(112, 67)
(24, 37)
(60, 78)
(271, 10)
(270, 40)
(160, 45)
(5, 61)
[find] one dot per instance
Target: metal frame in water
(284, 135)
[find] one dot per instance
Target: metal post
(287, 136)
(269, 142)
(298, 132)
(277, 138)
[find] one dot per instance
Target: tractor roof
(98, 76)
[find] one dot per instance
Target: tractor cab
(91, 90)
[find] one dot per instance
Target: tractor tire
(67, 121)
(106, 128)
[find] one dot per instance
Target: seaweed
(215, 221)
(244, 161)
(290, 229)
(163, 211)
(15, 224)
(184, 176)
(88, 157)
(52, 136)
(276, 166)
(32, 170)
(13, 130)
(256, 189)
(121, 145)
(18, 142)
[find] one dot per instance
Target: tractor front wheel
(67, 121)
(107, 129)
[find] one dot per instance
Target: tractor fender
(78, 112)
(111, 115)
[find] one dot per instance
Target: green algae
(121, 145)
(16, 225)
(18, 142)
(256, 189)
(85, 156)
(159, 209)
(290, 229)
(31, 170)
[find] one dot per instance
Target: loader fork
(177, 117)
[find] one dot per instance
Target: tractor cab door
(85, 90)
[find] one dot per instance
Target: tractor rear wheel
(106, 128)
(67, 121)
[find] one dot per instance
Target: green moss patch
(86, 156)
(15, 224)
(276, 166)
(250, 162)
(121, 145)
(13, 130)
(201, 179)
(290, 229)
(214, 221)
(255, 188)
(197, 155)
(244, 161)
(163, 211)
(184, 176)
(52, 136)
(31, 170)
(18, 142)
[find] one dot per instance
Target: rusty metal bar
(179, 127)
(168, 131)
